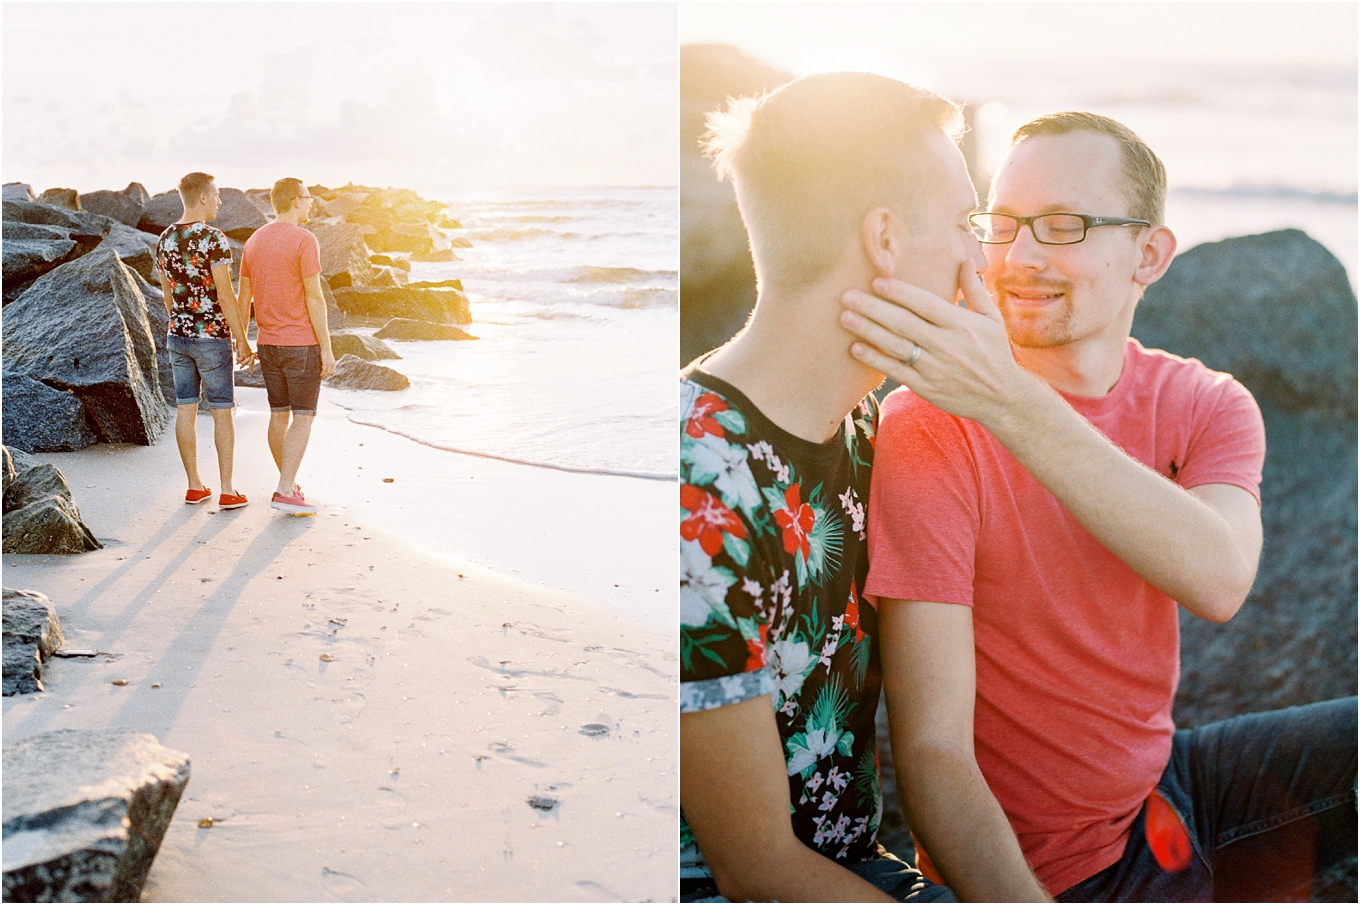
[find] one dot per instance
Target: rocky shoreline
(85, 357)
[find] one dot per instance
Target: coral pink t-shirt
(1077, 656)
(276, 259)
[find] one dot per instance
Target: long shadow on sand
(160, 706)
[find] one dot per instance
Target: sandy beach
(371, 698)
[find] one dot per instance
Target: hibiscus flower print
(701, 419)
(709, 519)
(703, 588)
(724, 466)
(796, 519)
(791, 661)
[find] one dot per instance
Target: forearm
(1170, 537)
(795, 873)
(957, 820)
(316, 313)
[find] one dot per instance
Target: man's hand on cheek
(956, 358)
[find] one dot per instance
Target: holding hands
(958, 359)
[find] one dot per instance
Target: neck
(194, 214)
(793, 361)
(1078, 369)
(288, 217)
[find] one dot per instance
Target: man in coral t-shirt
(1045, 492)
(281, 273)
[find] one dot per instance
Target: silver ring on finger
(915, 355)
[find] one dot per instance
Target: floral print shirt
(187, 253)
(772, 560)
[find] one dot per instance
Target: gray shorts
(202, 361)
(292, 377)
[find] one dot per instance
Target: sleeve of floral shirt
(219, 252)
(724, 619)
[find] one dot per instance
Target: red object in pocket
(1166, 834)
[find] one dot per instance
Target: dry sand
(366, 723)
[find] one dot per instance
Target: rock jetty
(85, 358)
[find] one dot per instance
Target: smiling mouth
(1032, 296)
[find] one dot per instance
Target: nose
(1025, 252)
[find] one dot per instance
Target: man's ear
(878, 234)
(1158, 248)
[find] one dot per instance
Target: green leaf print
(823, 734)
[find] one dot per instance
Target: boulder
(405, 328)
(160, 211)
(31, 250)
(136, 248)
(344, 256)
(85, 811)
(360, 346)
(248, 377)
(436, 257)
(353, 373)
(32, 633)
(238, 217)
(126, 206)
(40, 512)
(6, 468)
(84, 327)
(436, 284)
(39, 418)
(159, 321)
(387, 261)
(18, 191)
(49, 525)
(446, 306)
(389, 276)
(67, 198)
(1276, 311)
(83, 225)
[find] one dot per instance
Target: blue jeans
(1268, 800)
(206, 360)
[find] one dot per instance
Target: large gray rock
(160, 211)
(368, 348)
(238, 217)
(85, 812)
(32, 632)
(444, 306)
(126, 206)
(61, 197)
(31, 250)
(159, 321)
(18, 191)
(83, 225)
(83, 327)
(136, 248)
(38, 418)
(344, 255)
(40, 512)
(406, 328)
(1277, 311)
(353, 373)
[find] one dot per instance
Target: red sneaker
(194, 497)
(294, 504)
(232, 501)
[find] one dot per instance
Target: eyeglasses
(1047, 229)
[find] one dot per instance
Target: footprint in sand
(391, 807)
(345, 887)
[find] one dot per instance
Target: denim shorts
(292, 377)
(203, 360)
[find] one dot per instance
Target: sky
(427, 96)
(802, 38)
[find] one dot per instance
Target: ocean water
(573, 295)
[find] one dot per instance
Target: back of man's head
(192, 186)
(284, 193)
(1144, 182)
(811, 158)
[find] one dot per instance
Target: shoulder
(1188, 379)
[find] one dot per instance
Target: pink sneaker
(294, 504)
(194, 497)
(232, 501)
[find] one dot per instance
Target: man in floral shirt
(842, 179)
(195, 266)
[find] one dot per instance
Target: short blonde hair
(284, 193)
(192, 186)
(811, 158)
(1144, 184)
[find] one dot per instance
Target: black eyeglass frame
(1088, 223)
